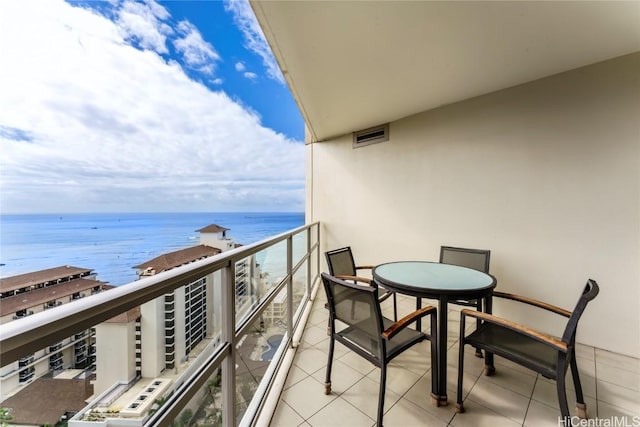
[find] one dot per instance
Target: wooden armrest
(392, 330)
(539, 336)
(355, 279)
(365, 267)
(534, 302)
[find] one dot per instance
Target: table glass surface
(432, 275)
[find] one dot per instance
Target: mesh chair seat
(512, 345)
(396, 345)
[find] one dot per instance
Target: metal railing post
(290, 286)
(228, 335)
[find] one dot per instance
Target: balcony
(213, 380)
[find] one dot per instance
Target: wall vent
(370, 136)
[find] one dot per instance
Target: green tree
(5, 417)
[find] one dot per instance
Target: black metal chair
(342, 265)
(547, 355)
(357, 322)
(478, 259)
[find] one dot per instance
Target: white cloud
(251, 76)
(254, 38)
(90, 123)
(196, 52)
(240, 66)
(142, 23)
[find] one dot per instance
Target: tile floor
(514, 396)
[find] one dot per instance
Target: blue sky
(144, 106)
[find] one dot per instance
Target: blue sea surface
(111, 244)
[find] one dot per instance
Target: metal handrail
(28, 335)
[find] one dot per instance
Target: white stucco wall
(545, 174)
(116, 354)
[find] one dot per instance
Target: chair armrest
(392, 330)
(365, 267)
(534, 302)
(355, 279)
(532, 333)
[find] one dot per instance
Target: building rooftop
(212, 228)
(177, 258)
(35, 297)
(20, 281)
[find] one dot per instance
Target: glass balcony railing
(251, 321)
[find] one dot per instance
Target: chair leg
(581, 407)
(395, 308)
(459, 405)
(478, 323)
(327, 382)
(383, 382)
(561, 389)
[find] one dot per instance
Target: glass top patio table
(444, 282)
(431, 279)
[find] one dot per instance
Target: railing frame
(33, 333)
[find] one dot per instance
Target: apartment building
(25, 294)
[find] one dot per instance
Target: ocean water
(111, 244)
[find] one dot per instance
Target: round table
(444, 282)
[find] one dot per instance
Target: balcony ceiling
(356, 64)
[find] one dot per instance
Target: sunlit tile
(405, 414)
(307, 397)
(314, 334)
(340, 413)
(310, 359)
(477, 415)
(399, 379)
(285, 416)
(358, 362)
(364, 396)
(342, 377)
(294, 376)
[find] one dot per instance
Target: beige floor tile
(621, 377)
(358, 362)
(285, 416)
(511, 379)
(499, 399)
(364, 396)
(408, 414)
(476, 415)
(541, 415)
(307, 397)
(618, 360)
(586, 352)
(399, 379)
(420, 395)
(340, 413)
(342, 377)
(294, 376)
(314, 335)
(618, 396)
(607, 411)
(310, 359)
(545, 392)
